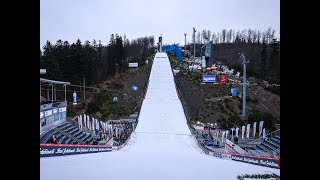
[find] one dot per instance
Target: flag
(248, 131)
(232, 133)
(243, 129)
(222, 136)
(264, 133)
(227, 132)
(260, 127)
(254, 129)
(84, 120)
(92, 127)
(79, 121)
(237, 132)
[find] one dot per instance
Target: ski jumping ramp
(161, 148)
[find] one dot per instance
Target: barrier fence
(47, 150)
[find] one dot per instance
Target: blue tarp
(173, 49)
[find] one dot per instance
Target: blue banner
(234, 91)
(209, 78)
(135, 88)
(74, 98)
(64, 149)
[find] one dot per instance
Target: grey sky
(98, 19)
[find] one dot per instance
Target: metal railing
(69, 136)
(269, 135)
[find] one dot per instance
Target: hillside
(129, 101)
(212, 103)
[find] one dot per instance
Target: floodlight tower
(194, 44)
(160, 43)
(185, 43)
(244, 62)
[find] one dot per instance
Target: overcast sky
(98, 19)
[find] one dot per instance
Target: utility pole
(194, 44)
(84, 89)
(185, 43)
(244, 62)
(160, 43)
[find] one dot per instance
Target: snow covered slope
(161, 148)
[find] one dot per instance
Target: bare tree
(254, 36)
(249, 36)
(198, 38)
(209, 35)
(214, 38)
(268, 35)
(204, 36)
(229, 35)
(243, 35)
(223, 33)
(258, 37)
(233, 36)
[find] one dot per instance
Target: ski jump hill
(161, 148)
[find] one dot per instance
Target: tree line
(261, 48)
(93, 61)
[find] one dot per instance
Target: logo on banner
(48, 113)
(55, 111)
(209, 78)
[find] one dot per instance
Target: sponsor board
(209, 78)
(226, 156)
(60, 150)
(133, 64)
(48, 113)
(269, 162)
(234, 91)
(63, 109)
(223, 79)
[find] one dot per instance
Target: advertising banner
(135, 88)
(47, 150)
(209, 78)
(74, 98)
(268, 162)
(223, 79)
(55, 111)
(234, 91)
(133, 64)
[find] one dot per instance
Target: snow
(162, 146)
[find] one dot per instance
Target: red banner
(223, 79)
